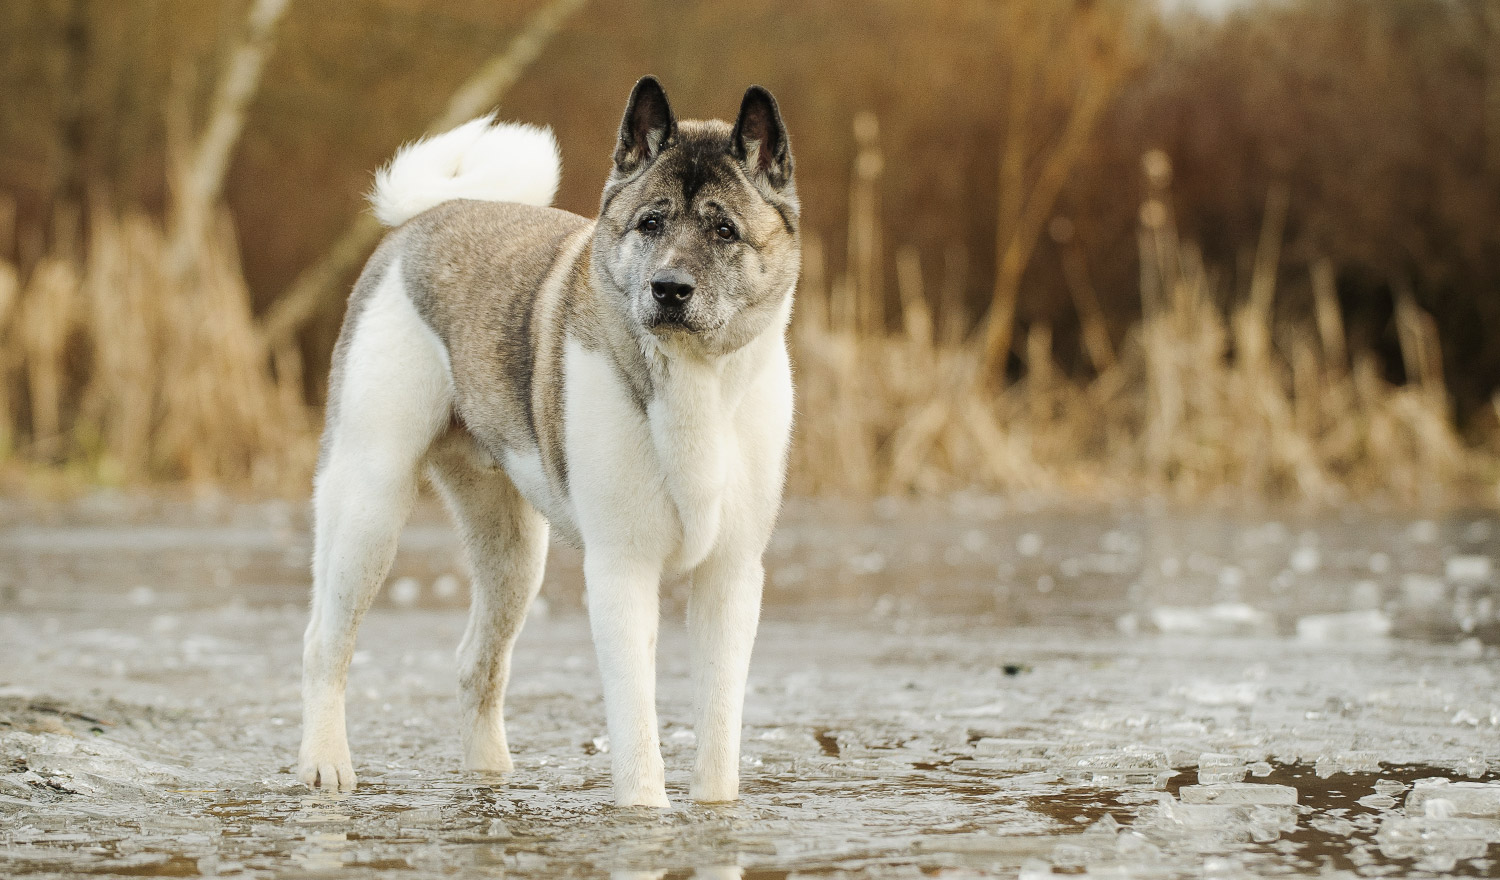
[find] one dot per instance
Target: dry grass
(116, 368)
(1202, 399)
(119, 370)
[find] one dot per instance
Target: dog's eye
(650, 223)
(725, 232)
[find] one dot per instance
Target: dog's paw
(643, 797)
(715, 792)
(328, 776)
(486, 752)
(490, 762)
(329, 769)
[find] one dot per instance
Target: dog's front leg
(623, 615)
(723, 612)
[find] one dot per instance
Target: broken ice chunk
(1389, 787)
(1411, 838)
(1222, 619)
(1239, 793)
(1468, 568)
(1214, 768)
(1235, 821)
(1438, 808)
(1472, 800)
(1139, 768)
(1348, 626)
(1213, 693)
(1305, 560)
(1328, 764)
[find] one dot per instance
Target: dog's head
(698, 227)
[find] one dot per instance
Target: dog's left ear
(759, 140)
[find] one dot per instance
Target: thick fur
(533, 364)
(506, 162)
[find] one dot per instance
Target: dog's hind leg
(506, 541)
(395, 398)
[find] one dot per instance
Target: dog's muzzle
(671, 289)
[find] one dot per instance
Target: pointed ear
(759, 140)
(648, 126)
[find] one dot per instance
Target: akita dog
(623, 380)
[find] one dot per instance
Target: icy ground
(958, 689)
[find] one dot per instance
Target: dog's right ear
(648, 126)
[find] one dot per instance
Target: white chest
(657, 483)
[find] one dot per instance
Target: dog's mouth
(666, 323)
(669, 323)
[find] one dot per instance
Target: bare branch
(309, 292)
(199, 182)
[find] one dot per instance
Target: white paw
(485, 755)
(643, 796)
(485, 748)
(716, 791)
(326, 767)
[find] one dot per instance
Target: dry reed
(119, 370)
(1199, 401)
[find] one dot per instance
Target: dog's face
(698, 227)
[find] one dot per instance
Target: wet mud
(969, 688)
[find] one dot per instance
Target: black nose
(672, 287)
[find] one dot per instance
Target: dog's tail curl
(481, 159)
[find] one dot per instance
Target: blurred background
(1096, 248)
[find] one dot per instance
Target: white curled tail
(481, 159)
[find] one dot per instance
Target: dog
(623, 382)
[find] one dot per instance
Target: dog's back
(474, 243)
(477, 272)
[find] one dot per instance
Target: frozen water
(1428, 836)
(1305, 560)
(1127, 768)
(1239, 793)
(1328, 764)
(1216, 768)
(1467, 799)
(1221, 619)
(1347, 626)
(1216, 693)
(975, 726)
(1468, 568)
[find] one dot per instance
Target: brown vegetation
(1199, 402)
(120, 367)
(1311, 334)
